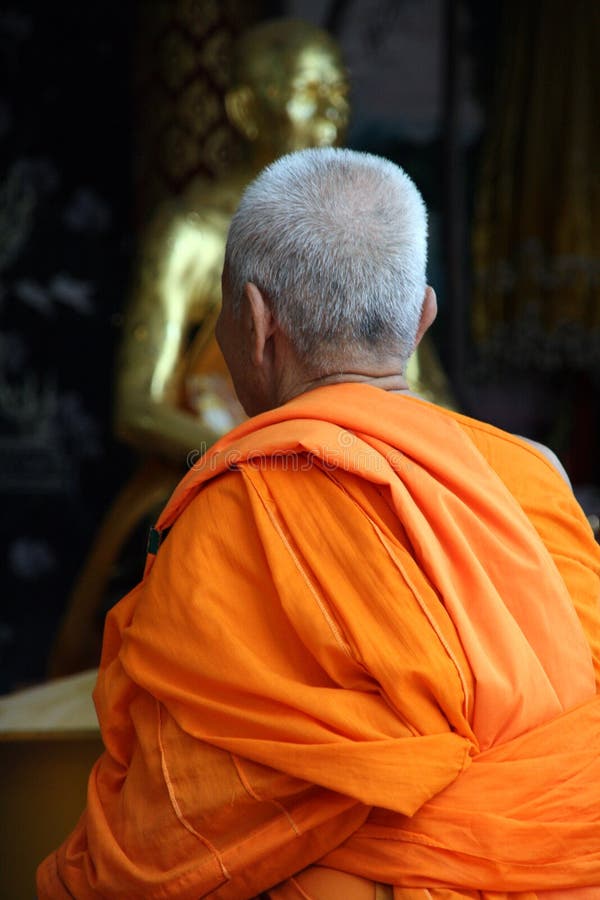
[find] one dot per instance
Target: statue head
(290, 87)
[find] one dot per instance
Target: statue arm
(176, 293)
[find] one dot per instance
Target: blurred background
(108, 111)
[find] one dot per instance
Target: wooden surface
(60, 708)
(49, 741)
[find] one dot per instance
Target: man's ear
(242, 111)
(262, 322)
(428, 313)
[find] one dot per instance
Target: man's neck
(392, 381)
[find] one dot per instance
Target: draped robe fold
(370, 640)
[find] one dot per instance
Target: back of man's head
(337, 242)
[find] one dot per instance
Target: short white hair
(337, 242)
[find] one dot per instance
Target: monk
(363, 661)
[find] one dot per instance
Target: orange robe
(370, 640)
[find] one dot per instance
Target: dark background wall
(66, 239)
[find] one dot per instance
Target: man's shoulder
(550, 455)
(493, 442)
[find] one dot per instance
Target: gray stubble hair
(337, 241)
